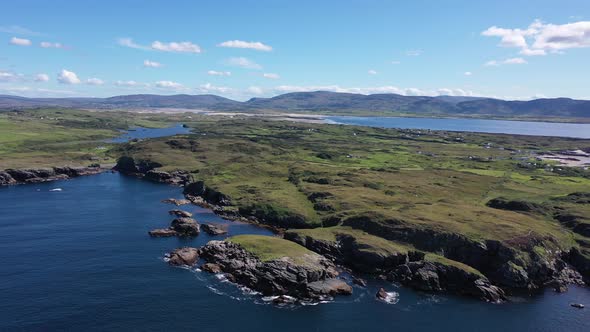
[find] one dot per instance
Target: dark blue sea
(575, 130)
(80, 259)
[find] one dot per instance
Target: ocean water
(81, 259)
(575, 130)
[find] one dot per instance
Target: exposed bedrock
(310, 277)
(21, 176)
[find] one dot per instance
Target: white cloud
(128, 42)
(6, 76)
(18, 30)
(372, 72)
(179, 47)
(94, 81)
(68, 77)
(169, 85)
(50, 45)
(20, 41)
(243, 44)
(41, 78)
(129, 83)
(414, 52)
(515, 61)
(255, 90)
(218, 73)
(540, 38)
(395, 62)
(510, 61)
(271, 76)
(243, 62)
(468, 73)
(151, 64)
(210, 88)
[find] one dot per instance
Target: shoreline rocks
(214, 230)
(313, 279)
(183, 256)
(23, 176)
(180, 213)
(178, 227)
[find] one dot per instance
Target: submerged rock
(162, 232)
(381, 294)
(176, 202)
(183, 256)
(214, 229)
(359, 281)
(180, 213)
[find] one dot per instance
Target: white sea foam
(391, 298)
(56, 189)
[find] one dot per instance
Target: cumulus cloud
(510, 61)
(540, 38)
(372, 72)
(68, 77)
(94, 81)
(50, 45)
(218, 73)
(372, 90)
(210, 88)
(169, 85)
(151, 64)
(41, 78)
(244, 44)
(7, 76)
(128, 42)
(20, 41)
(243, 62)
(178, 47)
(129, 83)
(271, 76)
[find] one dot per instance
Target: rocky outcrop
(502, 263)
(177, 202)
(436, 277)
(314, 278)
(212, 229)
(22, 176)
(210, 195)
(185, 226)
(147, 170)
(183, 256)
(178, 227)
(180, 213)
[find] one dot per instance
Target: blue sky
(240, 49)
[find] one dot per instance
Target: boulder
(176, 202)
(212, 268)
(185, 226)
(214, 229)
(183, 256)
(162, 232)
(359, 281)
(180, 213)
(381, 294)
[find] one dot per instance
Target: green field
(395, 186)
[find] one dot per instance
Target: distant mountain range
(323, 102)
